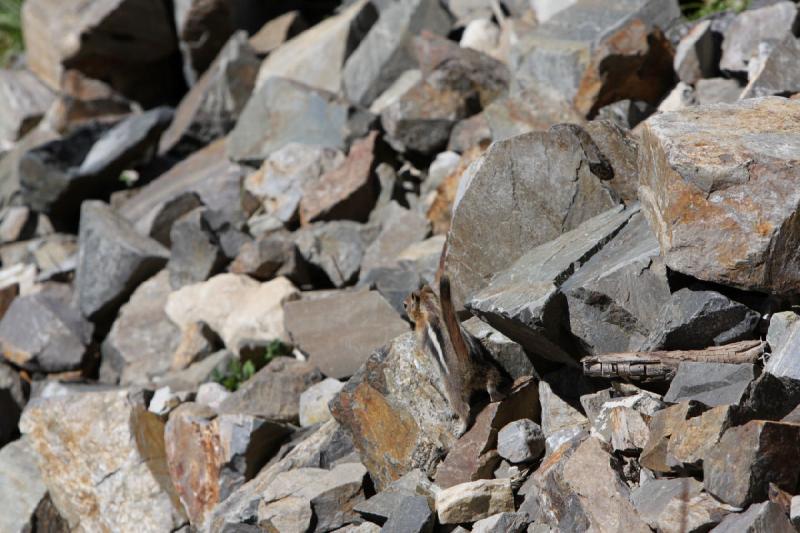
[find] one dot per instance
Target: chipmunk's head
(421, 305)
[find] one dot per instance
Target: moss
(702, 8)
(10, 30)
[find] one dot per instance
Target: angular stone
(717, 91)
(759, 518)
(774, 76)
(559, 394)
(710, 383)
(533, 109)
(290, 514)
(380, 506)
(412, 515)
(621, 149)
(520, 441)
(769, 398)
(783, 337)
(505, 352)
(473, 501)
(508, 522)
(676, 505)
(277, 31)
(271, 256)
(21, 487)
(695, 55)
(750, 457)
(751, 27)
(387, 50)
(27, 100)
(339, 332)
(282, 111)
(141, 335)
(45, 332)
(274, 391)
(336, 248)
(625, 113)
(523, 300)
(679, 169)
(210, 456)
(316, 56)
(663, 425)
(695, 438)
(195, 254)
(315, 399)
(239, 309)
(106, 239)
(602, 313)
(489, 236)
(117, 477)
(400, 228)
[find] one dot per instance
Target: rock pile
(212, 215)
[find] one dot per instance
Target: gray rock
(559, 396)
(523, 301)
(386, 51)
(775, 76)
(751, 27)
(283, 111)
(552, 182)
(710, 383)
(783, 336)
(21, 487)
(625, 113)
(339, 332)
(400, 228)
(134, 351)
(520, 441)
(677, 504)
(505, 352)
(473, 501)
(44, 332)
(380, 507)
(717, 91)
(603, 314)
(112, 260)
(270, 256)
(533, 109)
(794, 511)
(508, 522)
(337, 248)
(195, 254)
(412, 515)
(12, 401)
(394, 283)
(27, 100)
(695, 55)
(315, 399)
(759, 518)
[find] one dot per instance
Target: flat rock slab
(717, 184)
(784, 340)
(751, 27)
(710, 383)
(339, 332)
(758, 518)
(473, 501)
(672, 505)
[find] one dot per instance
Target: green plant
(703, 8)
(10, 29)
(240, 370)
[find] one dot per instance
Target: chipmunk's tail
(451, 321)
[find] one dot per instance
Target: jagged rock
(769, 398)
(336, 248)
(533, 109)
(127, 43)
(602, 313)
(397, 389)
(412, 515)
(239, 309)
(623, 422)
(400, 228)
(750, 457)
(559, 394)
(350, 190)
(539, 169)
(782, 337)
(523, 300)
(274, 391)
(209, 455)
(546, 9)
(720, 239)
(750, 28)
(395, 283)
(710, 383)
(195, 254)
(508, 522)
(387, 50)
(472, 131)
(621, 150)
(282, 111)
(695, 55)
(211, 395)
(759, 518)
(27, 100)
(695, 438)
(45, 332)
(520, 441)
(316, 57)
(134, 350)
(277, 31)
(717, 91)
(197, 373)
(117, 478)
(675, 505)
(285, 174)
(288, 514)
(197, 341)
(18, 224)
(212, 106)
(271, 256)
(380, 506)
(315, 399)
(339, 332)
(773, 76)
(473, 501)
(482, 35)
(663, 425)
(569, 53)
(505, 352)
(696, 319)
(22, 489)
(107, 239)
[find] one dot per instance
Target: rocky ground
(213, 211)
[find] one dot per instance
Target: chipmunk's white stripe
(438, 347)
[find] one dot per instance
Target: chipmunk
(465, 368)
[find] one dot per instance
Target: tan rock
(696, 437)
(663, 425)
(470, 502)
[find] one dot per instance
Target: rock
(546, 9)
(211, 395)
(336, 248)
(134, 350)
(710, 383)
(195, 254)
(473, 501)
(412, 515)
(472, 131)
(602, 313)
(164, 400)
(117, 477)
(559, 394)
(509, 522)
(664, 424)
(761, 517)
(18, 224)
(772, 77)
(380, 506)
(681, 97)
(717, 91)
(277, 31)
(27, 100)
(522, 301)
(339, 332)
(197, 341)
(533, 109)
(395, 413)
(271, 256)
(106, 239)
(750, 457)
(696, 319)
(520, 441)
(289, 514)
(570, 51)
(21, 487)
(240, 310)
(197, 373)
(675, 505)
(621, 150)
(386, 51)
(44, 332)
(282, 111)
(505, 352)
(316, 57)
(749, 28)
(543, 173)
(347, 192)
(210, 456)
(694, 438)
(794, 513)
(314, 401)
(625, 113)
(213, 104)
(782, 338)
(394, 283)
(695, 55)
(12, 401)
(769, 398)
(286, 173)
(679, 169)
(400, 228)
(623, 427)
(127, 43)
(482, 35)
